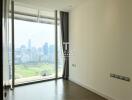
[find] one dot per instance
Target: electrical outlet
(112, 75)
(127, 79)
(120, 77)
(73, 65)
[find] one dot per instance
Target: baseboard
(91, 89)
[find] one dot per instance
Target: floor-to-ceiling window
(34, 50)
(34, 42)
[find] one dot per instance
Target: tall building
(29, 44)
(45, 48)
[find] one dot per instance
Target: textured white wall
(100, 44)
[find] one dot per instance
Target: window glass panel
(34, 51)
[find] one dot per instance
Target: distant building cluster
(32, 55)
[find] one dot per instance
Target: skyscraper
(29, 44)
(45, 48)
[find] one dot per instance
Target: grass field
(23, 70)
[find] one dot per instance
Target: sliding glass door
(35, 42)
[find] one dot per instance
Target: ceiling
(65, 5)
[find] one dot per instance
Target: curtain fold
(64, 20)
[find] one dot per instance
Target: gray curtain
(64, 20)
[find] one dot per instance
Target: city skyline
(28, 53)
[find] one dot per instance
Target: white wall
(100, 44)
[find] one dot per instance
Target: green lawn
(23, 71)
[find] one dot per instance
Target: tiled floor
(53, 90)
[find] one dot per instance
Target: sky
(38, 33)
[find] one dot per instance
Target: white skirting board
(93, 90)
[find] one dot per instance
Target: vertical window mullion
(13, 46)
(56, 46)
